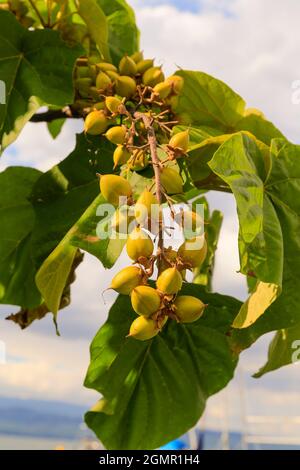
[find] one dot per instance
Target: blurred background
(253, 46)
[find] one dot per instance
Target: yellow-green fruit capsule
(143, 328)
(172, 101)
(193, 252)
(145, 300)
(102, 81)
(82, 72)
(112, 75)
(144, 65)
(163, 89)
(126, 280)
(137, 56)
(106, 66)
(125, 86)
(93, 72)
(171, 181)
(145, 206)
(180, 140)
(99, 105)
(127, 66)
(188, 308)
(113, 187)
(191, 222)
(139, 160)
(95, 123)
(139, 244)
(112, 104)
(177, 83)
(153, 76)
(116, 134)
(121, 155)
(169, 281)
(83, 86)
(94, 93)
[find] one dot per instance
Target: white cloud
(254, 50)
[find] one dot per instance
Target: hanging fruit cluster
(133, 107)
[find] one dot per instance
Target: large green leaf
(123, 35)
(203, 275)
(240, 163)
(96, 22)
(36, 67)
(282, 189)
(38, 210)
(284, 349)
(263, 129)
(17, 220)
(206, 101)
(160, 385)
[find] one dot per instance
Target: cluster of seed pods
(127, 98)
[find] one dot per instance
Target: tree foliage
(49, 219)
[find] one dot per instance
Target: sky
(253, 46)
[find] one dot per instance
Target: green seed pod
(82, 72)
(139, 160)
(114, 76)
(113, 187)
(94, 59)
(188, 308)
(83, 86)
(145, 206)
(116, 134)
(125, 86)
(143, 328)
(169, 281)
(145, 300)
(127, 66)
(112, 104)
(94, 93)
(171, 181)
(126, 280)
(93, 72)
(193, 252)
(153, 76)
(121, 155)
(106, 66)
(99, 105)
(95, 123)
(102, 81)
(180, 141)
(144, 65)
(177, 83)
(137, 56)
(139, 244)
(163, 89)
(172, 101)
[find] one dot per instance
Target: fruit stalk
(147, 120)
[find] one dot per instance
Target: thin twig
(53, 114)
(147, 120)
(38, 13)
